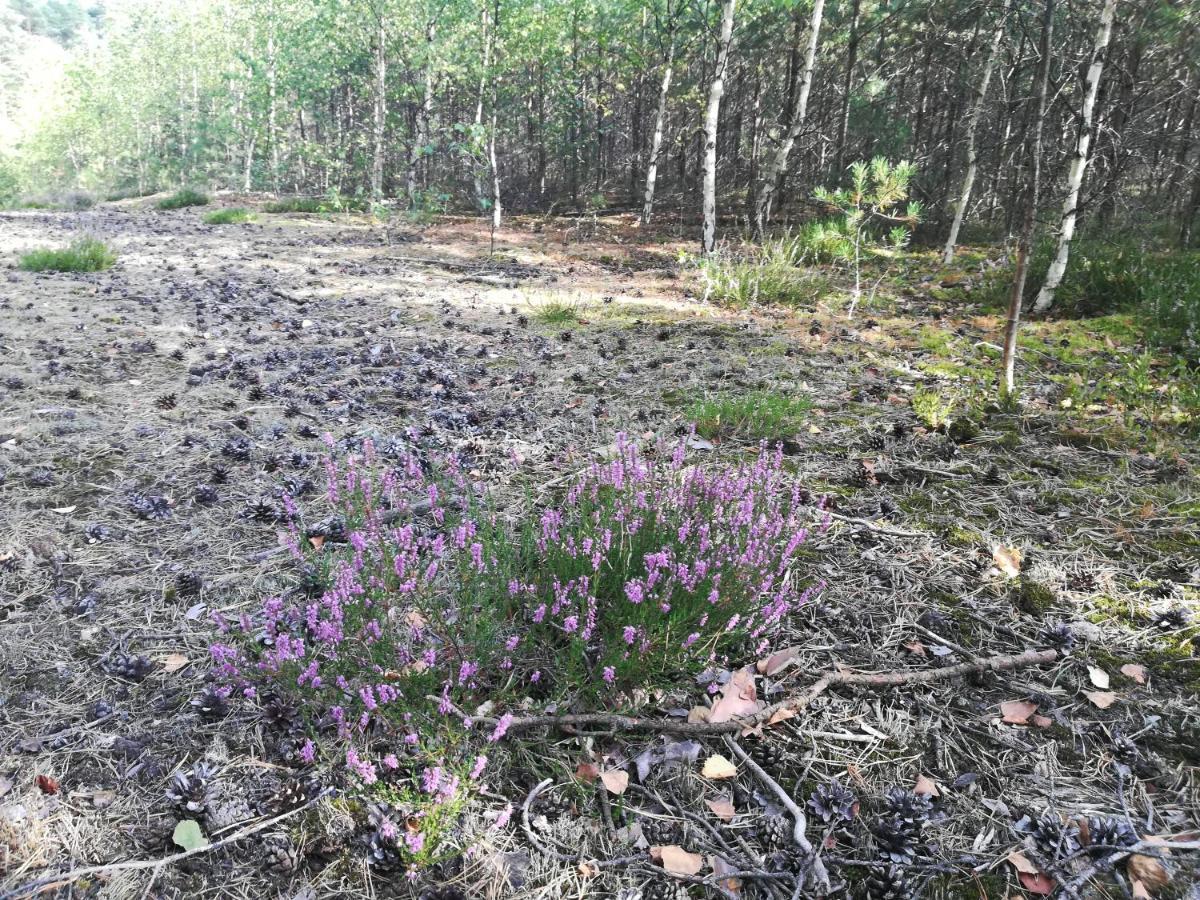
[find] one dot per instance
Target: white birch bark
(421, 137)
(380, 107)
(712, 114)
(1058, 266)
(657, 138)
(964, 197)
(766, 193)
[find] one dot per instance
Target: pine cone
(293, 793)
(224, 807)
(1060, 636)
(166, 401)
(1081, 582)
(382, 852)
(188, 584)
(219, 474)
(1105, 832)
(189, 789)
(262, 509)
(664, 890)
(129, 666)
(281, 854)
(909, 809)
(150, 507)
(768, 754)
(1050, 834)
(282, 713)
(1172, 619)
(206, 494)
(895, 839)
(833, 802)
(211, 705)
(888, 883)
(239, 449)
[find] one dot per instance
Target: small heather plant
(647, 571)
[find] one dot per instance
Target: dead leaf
(777, 661)
(174, 662)
(588, 870)
(64, 509)
(722, 808)
(1021, 863)
(317, 541)
(738, 698)
(915, 647)
(1098, 677)
(1007, 560)
(1037, 883)
(1135, 672)
(615, 780)
(587, 771)
(1101, 699)
(1042, 721)
(781, 715)
(678, 861)
(721, 868)
(718, 767)
(699, 714)
(926, 787)
(103, 799)
(1017, 712)
(46, 784)
(1149, 871)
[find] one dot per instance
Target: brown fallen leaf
(722, 808)
(718, 767)
(1022, 863)
(615, 780)
(915, 647)
(1017, 712)
(1101, 699)
(1134, 672)
(174, 662)
(1042, 721)
(588, 870)
(720, 868)
(676, 860)
(46, 784)
(1007, 560)
(1038, 883)
(739, 697)
(1149, 871)
(1098, 677)
(587, 771)
(698, 714)
(926, 787)
(777, 661)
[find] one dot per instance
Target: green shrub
(181, 199)
(555, 311)
(756, 416)
(65, 200)
(333, 203)
(10, 185)
(83, 255)
(232, 216)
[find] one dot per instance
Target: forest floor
(526, 362)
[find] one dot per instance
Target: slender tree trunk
(421, 132)
(1025, 243)
(712, 114)
(656, 138)
(380, 119)
(847, 86)
(272, 134)
(774, 174)
(495, 168)
(480, 191)
(1066, 230)
(964, 198)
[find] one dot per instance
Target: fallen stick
(54, 882)
(785, 708)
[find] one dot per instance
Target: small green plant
(933, 410)
(232, 216)
(83, 255)
(184, 198)
(873, 201)
(333, 202)
(555, 310)
(759, 415)
(771, 278)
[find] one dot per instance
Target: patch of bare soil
(152, 417)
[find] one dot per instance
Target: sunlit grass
(83, 255)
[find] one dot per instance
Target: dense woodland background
(414, 100)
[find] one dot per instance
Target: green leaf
(189, 836)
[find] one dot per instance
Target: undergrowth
(232, 216)
(756, 415)
(647, 571)
(82, 255)
(184, 198)
(332, 203)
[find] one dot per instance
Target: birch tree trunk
(480, 192)
(712, 114)
(773, 176)
(272, 134)
(495, 168)
(380, 106)
(1066, 230)
(964, 197)
(657, 138)
(421, 136)
(1025, 243)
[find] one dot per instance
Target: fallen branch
(54, 882)
(783, 709)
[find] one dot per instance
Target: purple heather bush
(648, 571)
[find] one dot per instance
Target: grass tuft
(331, 204)
(83, 255)
(182, 199)
(233, 216)
(555, 311)
(759, 415)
